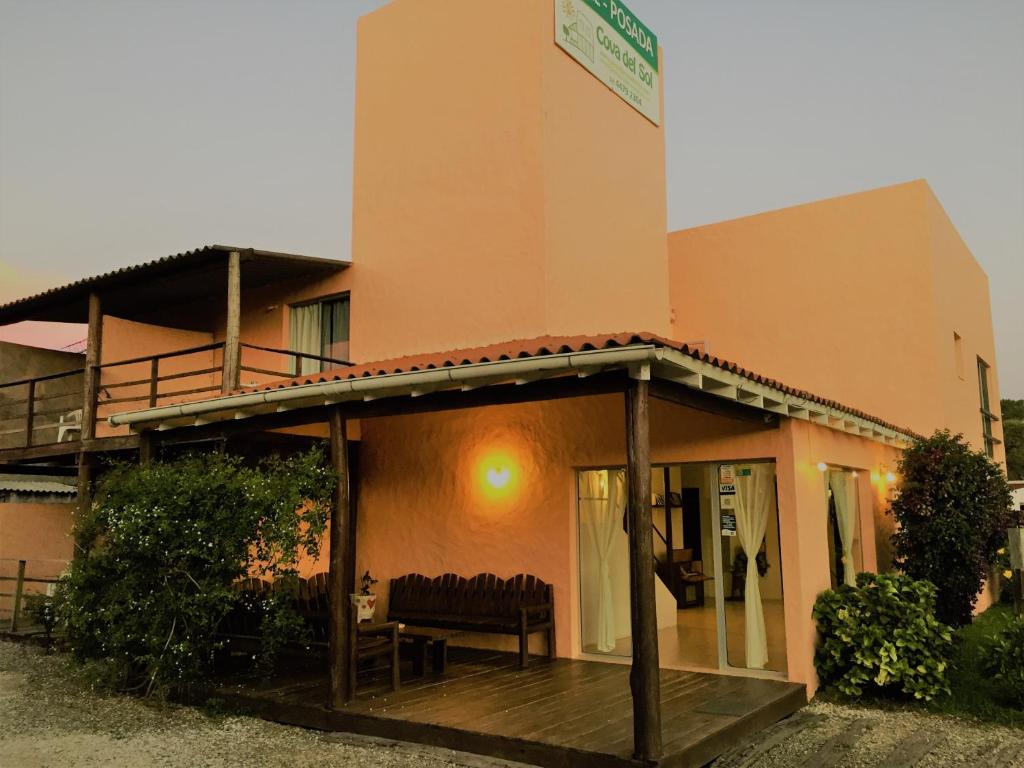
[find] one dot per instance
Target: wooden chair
(691, 574)
(369, 641)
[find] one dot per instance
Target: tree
(952, 512)
(1013, 437)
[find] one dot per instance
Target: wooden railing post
(30, 414)
(93, 352)
(644, 675)
(154, 381)
(19, 587)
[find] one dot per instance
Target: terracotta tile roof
(553, 345)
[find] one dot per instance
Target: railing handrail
(292, 353)
(164, 355)
(44, 377)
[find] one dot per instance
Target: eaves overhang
(640, 360)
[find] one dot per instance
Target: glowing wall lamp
(497, 474)
(498, 477)
(822, 466)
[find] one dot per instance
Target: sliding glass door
(717, 607)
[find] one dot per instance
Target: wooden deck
(555, 713)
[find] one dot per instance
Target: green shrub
(952, 511)
(882, 637)
(163, 544)
(1006, 659)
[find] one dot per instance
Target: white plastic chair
(69, 422)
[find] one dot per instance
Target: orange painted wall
(854, 298)
(127, 340)
(499, 189)
(40, 534)
(424, 507)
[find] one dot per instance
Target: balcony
(43, 416)
(160, 333)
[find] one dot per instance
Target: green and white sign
(615, 46)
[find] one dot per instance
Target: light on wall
(498, 477)
(890, 477)
(822, 466)
(497, 474)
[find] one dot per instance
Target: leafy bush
(882, 636)
(952, 511)
(1006, 659)
(163, 544)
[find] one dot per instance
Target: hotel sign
(614, 46)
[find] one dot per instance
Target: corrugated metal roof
(553, 345)
(22, 484)
(60, 297)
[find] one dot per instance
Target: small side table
(418, 638)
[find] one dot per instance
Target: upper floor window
(320, 328)
(987, 417)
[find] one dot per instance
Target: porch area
(553, 713)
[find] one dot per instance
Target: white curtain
(843, 490)
(602, 504)
(754, 491)
(305, 337)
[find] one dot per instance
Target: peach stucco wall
(40, 534)
(424, 505)
(500, 191)
(855, 298)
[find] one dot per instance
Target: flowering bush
(882, 636)
(161, 547)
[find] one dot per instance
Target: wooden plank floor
(555, 713)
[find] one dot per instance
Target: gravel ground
(887, 739)
(48, 717)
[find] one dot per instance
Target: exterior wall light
(822, 466)
(890, 477)
(498, 477)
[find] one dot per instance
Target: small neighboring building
(1017, 490)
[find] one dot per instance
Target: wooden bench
(519, 606)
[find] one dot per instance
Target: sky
(135, 129)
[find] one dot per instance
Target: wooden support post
(18, 589)
(644, 678)
(341, 578)
(146, 447)
(231, 372)
(93, 355)
(30, 413)
(670, 558)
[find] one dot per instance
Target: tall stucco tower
(501, 189)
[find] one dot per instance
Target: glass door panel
(604, 563)
(753, 605)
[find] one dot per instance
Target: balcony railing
(47, 410)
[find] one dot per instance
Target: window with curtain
(320, 328)
(987, 417)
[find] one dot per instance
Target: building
(517, 334)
